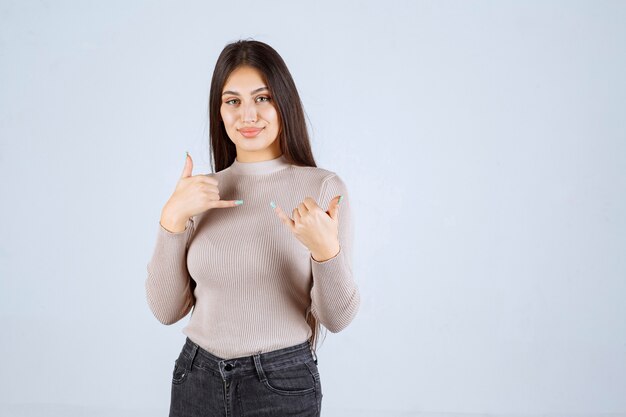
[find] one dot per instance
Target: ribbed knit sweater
(250, 281)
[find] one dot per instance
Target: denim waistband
(276, 359)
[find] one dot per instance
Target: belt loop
(194, 351)
(259, 368)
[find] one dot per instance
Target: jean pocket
(179, 374)
(297, 379)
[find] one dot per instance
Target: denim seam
(316, 377)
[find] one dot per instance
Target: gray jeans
(283, 382)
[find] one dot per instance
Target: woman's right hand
(194, 194)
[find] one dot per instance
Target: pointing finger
(283, 217)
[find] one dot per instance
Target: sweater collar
(259, 167)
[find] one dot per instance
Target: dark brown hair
(292, 134)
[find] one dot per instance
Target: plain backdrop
(483, 144)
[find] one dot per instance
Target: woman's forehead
(246, 80)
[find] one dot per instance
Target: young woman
(261, 249)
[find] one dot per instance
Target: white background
(483, 144)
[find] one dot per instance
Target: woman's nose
(249, 113)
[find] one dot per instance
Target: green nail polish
(239, 202)
(340, 198)
(272, 204)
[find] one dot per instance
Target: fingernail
(340, 198)
(272, 204)
(186, 154)
(239, 202)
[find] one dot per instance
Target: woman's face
(247, 103)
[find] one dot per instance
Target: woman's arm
(168, 285)
(335, 297)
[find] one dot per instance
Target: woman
(261, 282)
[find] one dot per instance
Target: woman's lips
(249, 133)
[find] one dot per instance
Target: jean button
(228, 367)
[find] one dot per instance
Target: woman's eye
(235, 99)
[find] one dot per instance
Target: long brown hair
(292, 135)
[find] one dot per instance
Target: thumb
(333, 207)
(188, 166)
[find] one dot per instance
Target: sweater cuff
(335, 267)
(172, 241)
(327, 260)
(163, 230)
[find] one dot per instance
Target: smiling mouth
(250, 133)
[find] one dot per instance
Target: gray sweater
(254, 282)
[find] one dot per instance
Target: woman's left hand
(317, 229)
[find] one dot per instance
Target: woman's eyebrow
(251, 92)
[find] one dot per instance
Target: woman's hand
(193, 195)
(317, 229)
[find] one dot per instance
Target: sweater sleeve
(169, 290)
(335, 297)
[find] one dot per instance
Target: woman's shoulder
(314, 172)
(323, 178)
